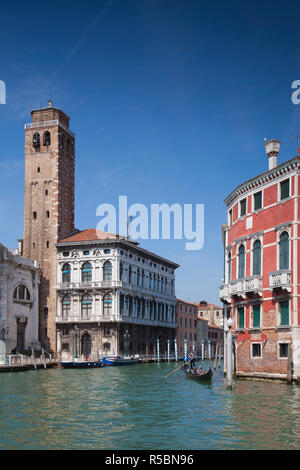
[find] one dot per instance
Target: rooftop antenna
(297, 136)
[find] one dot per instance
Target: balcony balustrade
(241, 287)
(116, 284)
(282, 278)
(113, 318)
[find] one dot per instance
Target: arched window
(121, 271)
(150, 281)
(107, 304)
(257, 257)
(66, 273)
(86, 272)
(143, 277)
(241, 261)
(129, 275)
(66, 305)
(46, 138)
(21, 293)
(229, 266)
(107, 271)
(86, 305)
(36, 140)
(138, 277)
(284, 251)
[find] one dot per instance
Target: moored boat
(80, 364)
(205, 375)
(119, 361)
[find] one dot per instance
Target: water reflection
(138, 408)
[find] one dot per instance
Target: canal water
(136, 407)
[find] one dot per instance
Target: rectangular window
(243, 207)
(283, 349)
(284, 313)
(241, 317)
(256, 350)
(256, 316)
(258, 201)
(284, 189)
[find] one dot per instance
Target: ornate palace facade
(113, 297)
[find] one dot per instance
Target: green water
(137, 408)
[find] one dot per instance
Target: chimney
(272, 150)
(50, 104)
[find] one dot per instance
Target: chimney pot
(272, 150)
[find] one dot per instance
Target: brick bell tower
(48, 203)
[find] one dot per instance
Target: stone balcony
(242, 287)
(112, 319)
(281, 279)
(115, 284)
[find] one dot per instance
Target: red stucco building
(262, 270)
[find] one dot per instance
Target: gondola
(119, 361)
(204, 376)
(81, 364)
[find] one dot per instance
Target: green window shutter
(241, 317)
(284, 251)
(285, 189)
(258, 200)
(284, 313)
(257, 257)
(243, 207)
(229, 267)
(256, 316)
(241, 261)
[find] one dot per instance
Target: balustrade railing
(282, 278)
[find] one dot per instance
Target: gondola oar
(180, 367)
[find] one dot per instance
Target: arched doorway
(86, 344)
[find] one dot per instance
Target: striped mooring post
(175, 348)
(193, 346)
(209, 350)
(185, 350)
(202, 350)
(157, 349)
(168, 351)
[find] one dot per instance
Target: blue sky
(170, 101)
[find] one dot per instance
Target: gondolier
(192, 358)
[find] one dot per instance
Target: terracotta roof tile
(88, 235)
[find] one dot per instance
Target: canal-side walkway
(22, 363)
